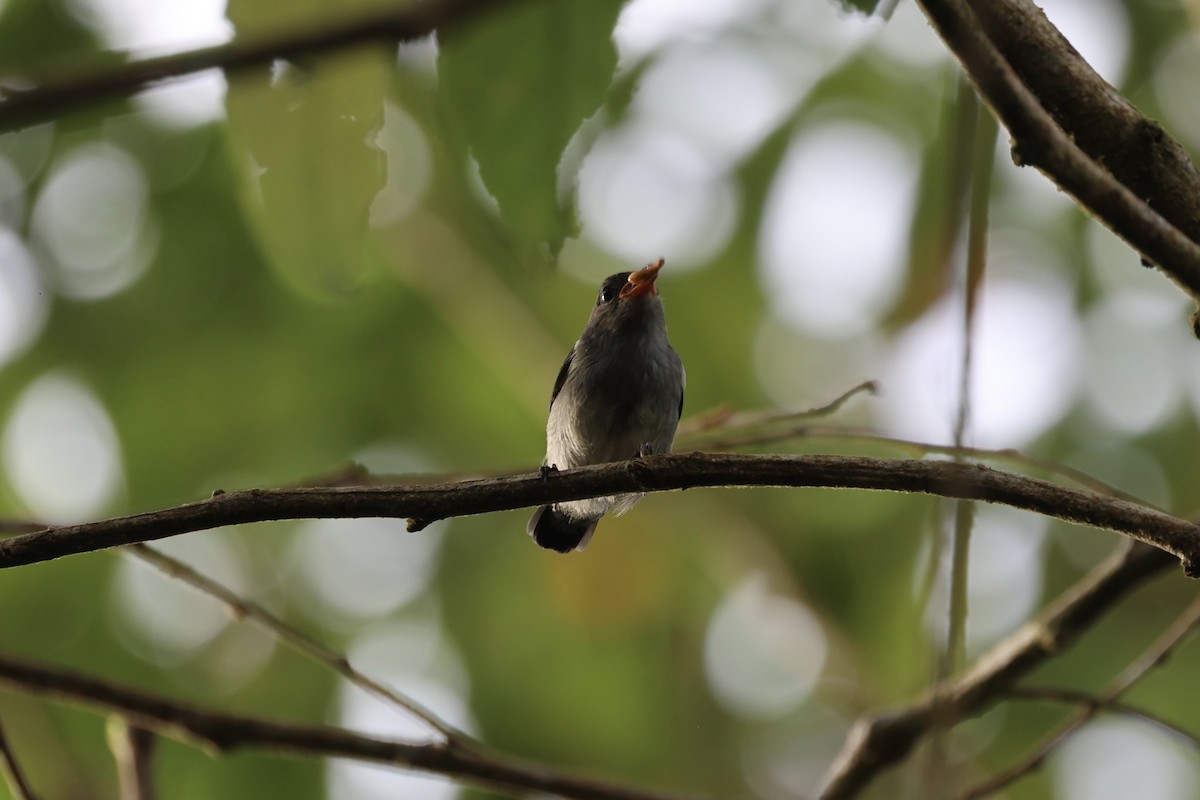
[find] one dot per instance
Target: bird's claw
(546, 469)
(646, 449)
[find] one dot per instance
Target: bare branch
(876, 743)
(724, 418)
(1178, 630)
(423, 504)
(1057, 154)
(296, 639)
(1096, 117)
(51, 96)
(133, 750)
(11, 769)
(220, 732)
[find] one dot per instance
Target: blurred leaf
(309, 136)
(517, 87)
(865, 6)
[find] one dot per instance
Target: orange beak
(642, 281)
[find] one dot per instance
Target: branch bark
(1158, 652)
(50, 96)
(226, 732)
(1030, 85)
(878, 742)
(1102, 122)
(423, 504)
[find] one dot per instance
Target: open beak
(642, 281)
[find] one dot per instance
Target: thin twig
(242, 608)
(426, 503)
(914, 447)
(14, 777)
(133, 750)
(1076, 697)
(219, 732)
(724, 418)
(48, 97)
(876, 743)
(1179, 629)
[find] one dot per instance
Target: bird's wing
(562, 376)
(682, 386)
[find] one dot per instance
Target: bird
(618, 396)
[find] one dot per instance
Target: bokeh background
(382, 255)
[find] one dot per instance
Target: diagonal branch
(226, 732)
(50, 97)
(423, 504)
(1155, 655)
(292, 636)
(1035, 131)
(877, 743)
(1102, 122)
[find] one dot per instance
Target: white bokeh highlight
(1025, 371)
(645, 26)
(412, 657)
(722, 97)
(154, 26)
(60, 451)
(1004, 582)
(643, 190)
(832, 242)
(91, 221)
(24, 304)
(1132, 340)
(1122, 759)
(350, 570)
(164, 620)
(763, 653)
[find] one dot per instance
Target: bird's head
(628, 301)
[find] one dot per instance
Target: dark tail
(554, 530)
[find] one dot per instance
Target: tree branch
(422, 504)
(876, 743)
(226, 732)
(49, 97)
(293, 637)
(1156, 654)
(1040, 140)
(1097, 118)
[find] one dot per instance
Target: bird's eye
(607, 294)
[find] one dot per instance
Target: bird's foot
(546, 470)
(646, 449)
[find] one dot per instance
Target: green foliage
(517, 87)
(323, 279)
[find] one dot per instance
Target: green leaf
(517, 86)
(306, 137)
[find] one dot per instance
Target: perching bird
(618, 396)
